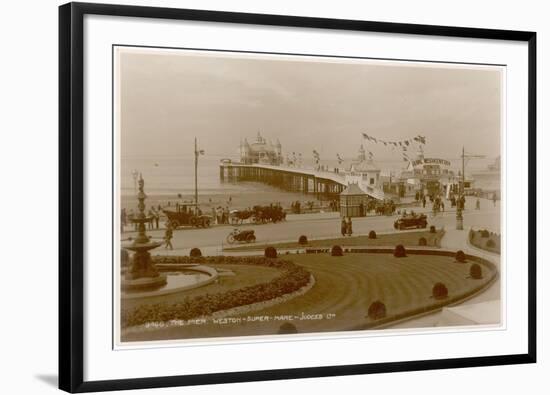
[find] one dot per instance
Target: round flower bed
(372, 234)
(195, 253)
(302, 240)
(440, 291)
(484, 233)
(460, 256)
(399, 251)
(270, 252)
(377, 310)
(336, 251)
(475, 271)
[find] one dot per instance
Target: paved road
(322, 225)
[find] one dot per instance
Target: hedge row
(220, 260)
(293, 278)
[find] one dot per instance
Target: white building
(261, 151)
(365, 174)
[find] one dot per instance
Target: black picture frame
(71, 205)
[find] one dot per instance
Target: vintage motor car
(409, 221)
(187, 215)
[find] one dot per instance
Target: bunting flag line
(419, 139)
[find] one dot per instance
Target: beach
(251, 194)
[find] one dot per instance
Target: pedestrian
(494, 199)
(150, 216)
(219, 215)
(123, 219)
(349, 229)
(478, 204)
(343, 226)
(156, 217)
(442, 205)
(423, 201)
(214, 216)
(168, 236)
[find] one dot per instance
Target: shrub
(270, 252)
(475, 271)
(460, 256)
(287, 328)
(372, 234)
(399, 251)
(484, 233)
(302, 240)
(422, 241)
(440, 291)
(490, 243)
(195, 253)
(432, 229)
(336, 251)
(377, 310)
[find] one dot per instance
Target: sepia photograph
(260, 194)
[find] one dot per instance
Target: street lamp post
(459, 217)
(135, 177)
(197, 153)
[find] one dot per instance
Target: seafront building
(354, 185)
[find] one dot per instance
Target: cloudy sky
(169, 97)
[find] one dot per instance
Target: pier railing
(324, 184)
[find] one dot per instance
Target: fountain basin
(176, 278)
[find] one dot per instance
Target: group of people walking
(346, 226)
(153, 215)
(220, 215)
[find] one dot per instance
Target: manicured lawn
(344, 288)
(391, 239)
(245, 275)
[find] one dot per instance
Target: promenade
(212, 240)
(326, 225)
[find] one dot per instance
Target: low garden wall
(485, 240)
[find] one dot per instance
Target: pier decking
(324, 184)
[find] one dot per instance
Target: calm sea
(173, 175)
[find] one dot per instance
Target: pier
(324, 184)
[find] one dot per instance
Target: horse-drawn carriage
(187, 215)
(258, 215)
